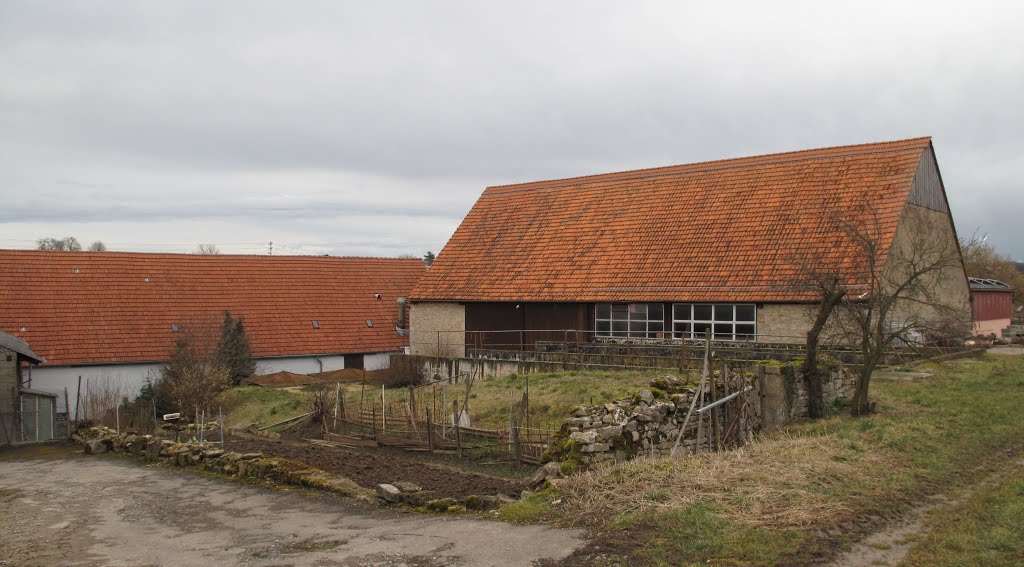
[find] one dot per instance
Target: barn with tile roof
(667, 253)
(115, 315)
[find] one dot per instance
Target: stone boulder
(389, 492)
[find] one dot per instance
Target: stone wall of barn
(437, 329)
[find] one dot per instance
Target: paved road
(75, 510)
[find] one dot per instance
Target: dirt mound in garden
(371, 467)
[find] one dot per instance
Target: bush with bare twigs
(320, 401)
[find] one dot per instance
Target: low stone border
(210, 458)
(257, 466)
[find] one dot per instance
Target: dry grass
(776, 482)
(553, 396)
(796, 497)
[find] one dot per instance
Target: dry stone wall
(648, 424)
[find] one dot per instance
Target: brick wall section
(426, 319)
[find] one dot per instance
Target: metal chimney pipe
(400, 323)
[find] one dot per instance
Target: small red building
(991, 306)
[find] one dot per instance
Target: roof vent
(74, 270)
(145, 280)
(376, 296)
(369, 323)
(21, 329)
(175, 328)
(316, 324)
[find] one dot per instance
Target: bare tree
(66, 244)
(98, 246)
(207, 249)
(194, 376)
(320, 402)
(906, 291)
(830, 295)
(983, 261)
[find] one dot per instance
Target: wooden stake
(517, 450)
(362, 394)
(67, 411)
(715, 425)
(458, 432)
(698, 394)
(78, 399)
(430, 431)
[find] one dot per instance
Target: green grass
(987, 528)
(708, 536)
(770, 502)
(245, 405)
(553, 396)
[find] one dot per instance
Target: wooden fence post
(760, 389)
(430, 431)
(516, 448)
(67, 412)
(458, 432)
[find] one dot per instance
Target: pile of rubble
(647, 424)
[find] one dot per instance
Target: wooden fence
(426, 427)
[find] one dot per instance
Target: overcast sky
(370, 128)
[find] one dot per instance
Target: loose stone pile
(649, 423)
(621, 430)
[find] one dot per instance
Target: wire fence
(575, 349)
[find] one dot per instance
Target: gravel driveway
(57, 508)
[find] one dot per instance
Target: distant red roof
(102, 307)
(716, 231)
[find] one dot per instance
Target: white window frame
(723, 328)
(631, 320)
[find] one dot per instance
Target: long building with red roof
(114, 315)
(668, 253)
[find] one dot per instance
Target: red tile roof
(101, 307)
(725, 230)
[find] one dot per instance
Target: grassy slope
(793, 496)
(252, 404)
(553, 396)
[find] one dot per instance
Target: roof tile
(98, 307)
(727, 230)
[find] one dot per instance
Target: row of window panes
(636, 320)
(689, 320)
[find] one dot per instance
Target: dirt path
(891, 545)
(69, 510)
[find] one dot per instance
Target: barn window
(727, 321)
(633, 320)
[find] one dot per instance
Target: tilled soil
(372, 467)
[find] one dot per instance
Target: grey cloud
(441, 99)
